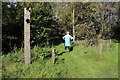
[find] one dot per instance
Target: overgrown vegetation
(81, 62)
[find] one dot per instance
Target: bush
(92, 42)
(41, 53)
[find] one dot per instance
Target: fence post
(101, 48)
(53, 56)
(27, 35)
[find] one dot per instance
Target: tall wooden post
(73, 24)
(27, 35)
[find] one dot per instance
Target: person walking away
(67, 39)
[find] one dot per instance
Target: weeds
(82, 62)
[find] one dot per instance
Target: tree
(69, 18)
(10, 27)
(44, 27)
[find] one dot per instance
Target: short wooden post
(108, 47)
(26, 36)
(100, 48)
(100, 43)
(53, 56)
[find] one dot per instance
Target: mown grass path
(91, 64)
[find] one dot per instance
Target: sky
(12, 1)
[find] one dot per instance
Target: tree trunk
(26, 36)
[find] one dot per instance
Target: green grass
(74, 64)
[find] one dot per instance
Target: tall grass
(81, 62)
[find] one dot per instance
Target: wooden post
(108, 46)
(100, 48)
(26, 36)
(53, 56)
(100, 44)
(73, 24)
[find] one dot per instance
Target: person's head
(67, 32)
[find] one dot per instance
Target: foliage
(43, 26)
(91, 19)
(11, 31)
(82, 62)
(42, 53)
(49, 22)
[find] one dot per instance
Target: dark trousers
(67, 47)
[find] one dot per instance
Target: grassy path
(92, 65)
(82, 62)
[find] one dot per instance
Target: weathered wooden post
(100, 48)
(108, 48)
(73, 23)
(100, 44)
(53, 56)
(27, 35)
